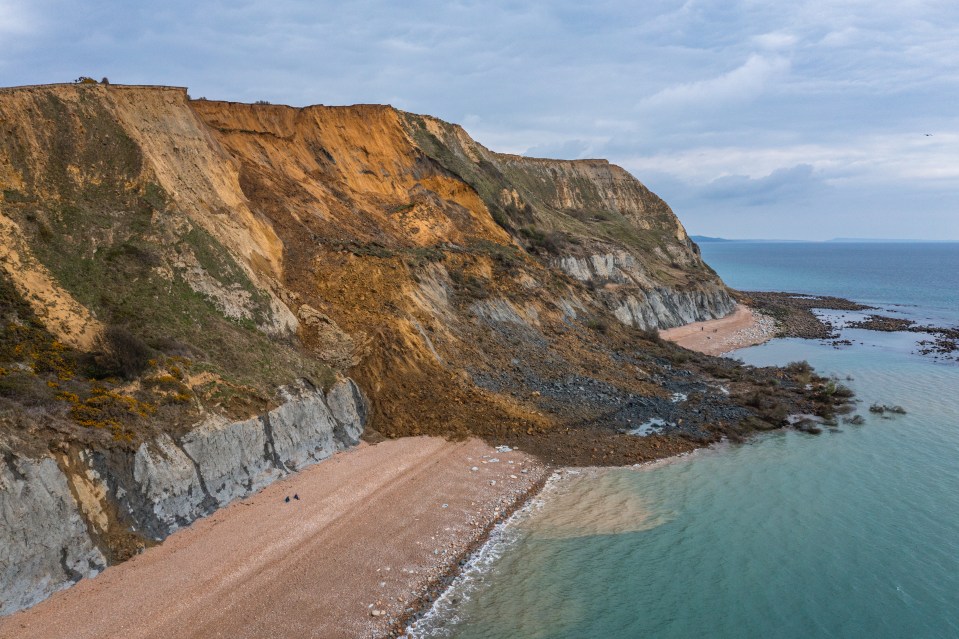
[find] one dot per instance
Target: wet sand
(372, 530)
(743, 327)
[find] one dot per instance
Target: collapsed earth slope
(177, 270)
(266, 243)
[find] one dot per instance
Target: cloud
(712, 98)
(739, 85)
(909, 158)
(841, 38)
(564, 150)
(16, 18)
(776, 40)
(792, 183)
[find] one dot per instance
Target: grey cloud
(741, 84)
(655, 79)
(565, 150)
(792, 183)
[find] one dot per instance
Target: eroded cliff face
(263, 243)
(170, 269)
(65, 516)
(170, 266)
(592, 220)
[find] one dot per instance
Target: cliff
(93, 507)
(170, 268)
(263, 243)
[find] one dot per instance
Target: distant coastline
(701, 239)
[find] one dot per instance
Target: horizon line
(850, 240)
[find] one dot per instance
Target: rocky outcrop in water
(57, 515)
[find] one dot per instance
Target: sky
(752, 119)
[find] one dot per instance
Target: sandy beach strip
(372, 531)
(741, 328)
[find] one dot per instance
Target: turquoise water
(920, 279)
(846, 534)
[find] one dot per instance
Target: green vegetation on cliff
(166, 260)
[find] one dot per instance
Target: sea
(851, 533)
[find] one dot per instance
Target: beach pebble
(474, 469)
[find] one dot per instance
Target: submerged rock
(882, 409)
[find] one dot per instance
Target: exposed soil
(416, 261)
(390, 237)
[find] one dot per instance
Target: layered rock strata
(636, 299)
(56, 512)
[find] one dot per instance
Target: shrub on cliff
(468, 285)
(548, 242)
(800, 372)
(652, 335)
(120, 353)
(597, 324)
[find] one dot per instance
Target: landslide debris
(225, 250)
